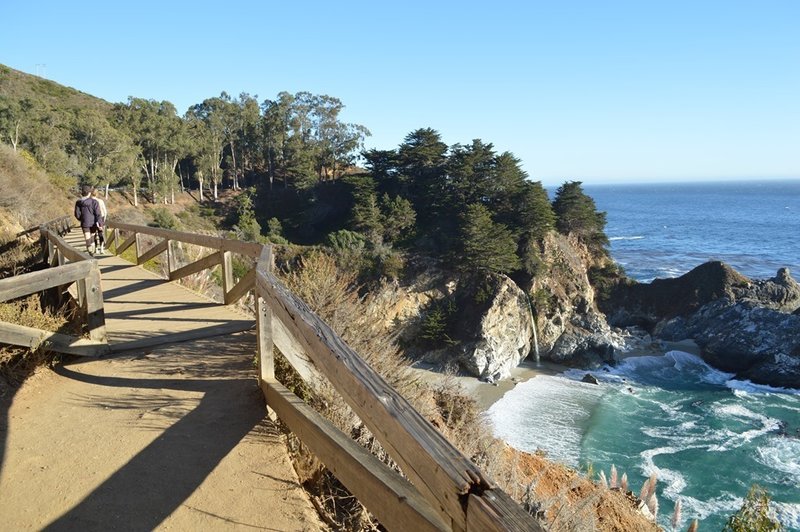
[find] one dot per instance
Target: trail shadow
(162, 476)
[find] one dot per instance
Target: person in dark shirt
(87, 211)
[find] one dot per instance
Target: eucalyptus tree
(157, 130)
(105, 153)
(13, 113)
(210, 134)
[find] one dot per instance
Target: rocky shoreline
(747, 327)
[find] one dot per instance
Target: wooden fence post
(138, 247)
(227, 272)
(116, 240)
(95, 314)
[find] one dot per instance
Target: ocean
(707, 436)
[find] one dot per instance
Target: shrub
(164, 219)
(754, 515)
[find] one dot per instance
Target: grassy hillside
(18, 85)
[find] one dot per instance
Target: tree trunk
(135, 198)
(106, 190)
(200, 179)
(216, 197)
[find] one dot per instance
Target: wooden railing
(67, 266)
(441, 490)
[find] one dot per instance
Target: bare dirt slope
(172, 439)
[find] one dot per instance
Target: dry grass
(560, 497)
(17, 363)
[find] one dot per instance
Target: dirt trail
(174, 438)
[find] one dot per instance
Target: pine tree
(486, 244)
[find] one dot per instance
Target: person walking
(87, 211)
(100, 234)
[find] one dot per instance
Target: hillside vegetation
(289, 169)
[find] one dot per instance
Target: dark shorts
(92, 229)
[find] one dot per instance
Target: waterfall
(533, 325)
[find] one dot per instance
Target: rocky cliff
(489, 318)
(748, 327)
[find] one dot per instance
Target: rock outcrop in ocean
(747, 327)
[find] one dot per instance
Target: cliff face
(571, 328)
(490, 330)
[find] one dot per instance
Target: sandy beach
(486, 394)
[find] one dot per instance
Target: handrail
(446, 490)
(80, 269)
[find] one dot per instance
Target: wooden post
(227, 273)
(138, 247)
(116, 240)
(81, 284)
(172, 259)
(266, 357)
(266, 354)
(95, 314)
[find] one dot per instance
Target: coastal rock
(781, 293)
(756, 343)
(571, 328)
(499, 338)
(646, 304)
(590, 379)
(748, 327)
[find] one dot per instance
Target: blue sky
(595, 91)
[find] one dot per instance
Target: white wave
(788, 514)
(674, 480)
(747, 387)
(781, 455)
(614, 238)
(693, 508)
(546, 412)
(738, 412)
(677, 360)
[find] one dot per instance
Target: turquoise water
(707, 436)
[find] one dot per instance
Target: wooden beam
(395, 502)
(197, 266)
(434, 466)
(126, 244)
(13, 334)
(245, 284)
(31, 283)
(156, 250)
(249, 249)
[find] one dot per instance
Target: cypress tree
(485, 243)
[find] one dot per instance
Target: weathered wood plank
(126, 244)
(395, 502)
(250, 249)
(182, 336)
(197, 266)
(13, 334)
(434, 466)
(495, 511)
(30, 283)
(95, 316)
(245, 284)
(156, 250)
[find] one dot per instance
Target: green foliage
(486, 244)
(577, 214)
(603, 279)
(247, 227)
(163, 218)
(438, 324)
(398, 218)
(754, 515)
